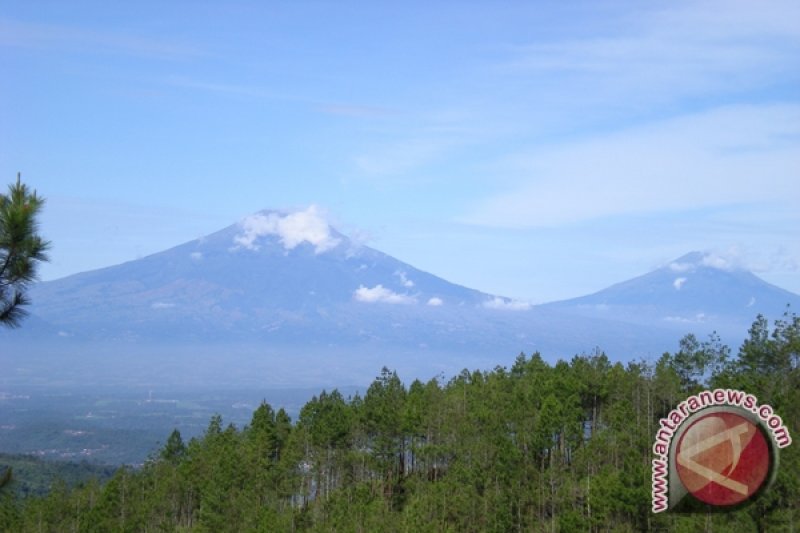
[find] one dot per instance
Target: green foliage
(5, 476)
(536, 447)
(175, 450)
(21, 248)
(33, 476)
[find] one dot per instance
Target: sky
(536, 150)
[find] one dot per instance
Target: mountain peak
(291, 228)
(696, 260)
(694, 256)
(696, 290)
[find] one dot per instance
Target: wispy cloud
(19, 34)
(672, 52)
(235, 89)
(404, 281)
(504, 304)
(224, 88)
(738, 257)
(755, 260)
(734, 155)
(400, 157)
(354, 110)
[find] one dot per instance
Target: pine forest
(528, 447)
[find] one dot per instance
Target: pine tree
(175, 449)
(21, 249)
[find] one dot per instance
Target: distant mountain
(274, 276)
(290, 278)
(290, 285)
(696, 291)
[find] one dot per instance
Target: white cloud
(747, 258)
(293, 229)
(403, 279)
(401, 158)
(669, 53)
(699, 317)
(162, 305)
(63, 37)
(678, 319)
(435, 302)
(717, 261)
(737, 257)
(196, 256)
(681, 267)
(379, 293)
(728, 156)
(730, 259)
(678, 283)
(506, 304)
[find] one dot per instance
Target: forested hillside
(530, 447)
(34, 476)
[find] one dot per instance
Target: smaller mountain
(698, 291)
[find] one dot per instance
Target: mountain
(697, 290)
(289, 295)
(274, 276)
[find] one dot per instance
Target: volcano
(281, 283)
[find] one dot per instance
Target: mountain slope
(274, 276)
(696, 290)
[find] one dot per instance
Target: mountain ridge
(290, 280)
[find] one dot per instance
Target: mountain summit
(696, 290)
(272, 275)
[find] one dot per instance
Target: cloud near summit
(293, 229)
(728, 260)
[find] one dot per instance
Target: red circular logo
(723, 458)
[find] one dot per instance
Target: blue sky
(531, 149)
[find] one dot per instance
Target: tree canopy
(534, 447)
(21, 249)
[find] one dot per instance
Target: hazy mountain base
(124, 426)
(196, 366)
(533, 447)
(113, 404)
(87, 399)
